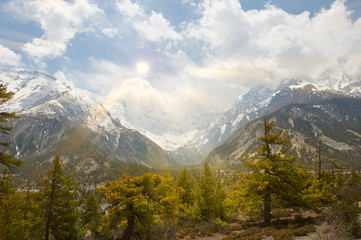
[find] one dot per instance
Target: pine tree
(13, 224)
(187, 185)
(6, 159)
(139, 203)
(58, 202)
(91, 214)
(167, 200)
(274, 174)
(19, 216)
(212, 195)
(129, 199)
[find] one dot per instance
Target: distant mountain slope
(337, 122)
(56, 118)
(258, 102)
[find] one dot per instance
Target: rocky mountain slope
(336, 122)
(260, 101)
(54, 114)
(56, 118)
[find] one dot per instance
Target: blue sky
(199, 53)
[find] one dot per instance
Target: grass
(280, 229)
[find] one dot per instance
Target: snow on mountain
(161, 117)
(182, 135)
(50, 108)
(262, 100)
(163, 129)
(40, 93)
(335, 121)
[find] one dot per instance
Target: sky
(182, 57)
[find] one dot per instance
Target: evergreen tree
(129, 199)
(274, 174)
(138, 203)
(13, 223)
(168, 202)
(211, 196)
(187, 185)
(91, 214)
(18, 212)
(6, 159)
(58, 202)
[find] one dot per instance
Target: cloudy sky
(179, 53)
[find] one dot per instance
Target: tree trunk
(267, 191)
(267, 207)
(47, 226)
(49, 211)
(129, 231)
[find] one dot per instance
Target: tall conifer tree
(58, 193)
(187, 185)
(6, 159)
(275, 174)
(212, 195)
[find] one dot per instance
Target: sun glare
(142, 67)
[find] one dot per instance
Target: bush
(330, 231)
(253, 233)
(346, 212)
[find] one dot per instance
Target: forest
(275, 197)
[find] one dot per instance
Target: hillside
(56, 118)
(336, 122)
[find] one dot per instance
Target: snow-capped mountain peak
(52, 112)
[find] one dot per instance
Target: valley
(178, 120)
(66, 135)
(57, 118)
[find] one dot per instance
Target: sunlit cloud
(197, 64)
(60, 20)
(153, 27)
(110, 32)
(259, 44)
(8, 57)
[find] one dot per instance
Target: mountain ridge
(88, 108)
(48, 109)
(263, 100)
(336, 122)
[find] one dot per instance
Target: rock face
(336, 122)
(56, 118)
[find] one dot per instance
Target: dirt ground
(217, 236)
(220, 236)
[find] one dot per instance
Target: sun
(142, 67)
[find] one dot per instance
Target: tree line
(162, 206)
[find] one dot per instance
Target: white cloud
(190, 2)
(130, 9)
(175, 104)
(257, 45)
(156, 28)
(105, 75)
(110, 32)
(60, 20)
(139, 96)
(61, 78)
(153, 27)
(8, 57)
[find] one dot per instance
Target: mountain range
(57, 118)
(336, 122)
(262, 100)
